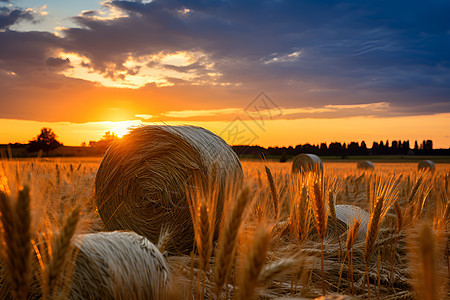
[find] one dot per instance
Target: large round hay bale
(364, 165)
(304, 163)
(143, 180)
(426, 165)
(118, 265)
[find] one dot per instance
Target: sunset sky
(260, 72)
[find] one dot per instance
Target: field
(281, 235)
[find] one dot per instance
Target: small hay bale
(118, 265)
(426, 165)
(304, 163)
(142, 182)
(364, 165)
(346, 215)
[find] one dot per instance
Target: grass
(273, 239)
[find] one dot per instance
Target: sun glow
(122, 128)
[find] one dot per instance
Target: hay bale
(346, 215)
(304, 163)
(118, 265)
(426, 165)
(364, 165)
(142, 182)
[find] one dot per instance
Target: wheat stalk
(228, 240)
(319, 210)
(254, 262)
(320, 216)
(273, 190)
(331, 204)
(372, 234)
(373, 228)
(16, 221)
(351, 238)
(426, 283)
(60, 249)
(204, 245)
(399, 214)
(415, 189)
(275, 269)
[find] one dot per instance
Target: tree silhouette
(45, 141)
(108, 138)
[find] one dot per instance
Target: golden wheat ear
(228, 240)
(61, 245)
(16, 221)
(273, 190)
(254, 262)
(423, 257)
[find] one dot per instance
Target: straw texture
(346, 216)
(143, 180)
(304, 163)
(118, 265)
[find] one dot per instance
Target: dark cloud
(89, 13)
(57, 62)
(25, 53)
(303, 53)
(10, 17)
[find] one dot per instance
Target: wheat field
(281, 235)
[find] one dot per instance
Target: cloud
(201, 113)
(10, 17)
(305, 54)
(288, 58)
(57, 62)
(228, 114)
(144, 116)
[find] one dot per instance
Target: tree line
(353, 148)
(47, 141)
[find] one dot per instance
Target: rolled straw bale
(346, 215)
(426, 165)
(118, 265)
(306, 162)
(364, 165)
(142, 182)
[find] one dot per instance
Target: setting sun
(122, 128)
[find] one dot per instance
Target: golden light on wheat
(381, 231)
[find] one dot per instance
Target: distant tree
(108, 138)
(363, 148)
(323, 149)
(335, 148)
(405, 147)
(45, 141)
(353, 148)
